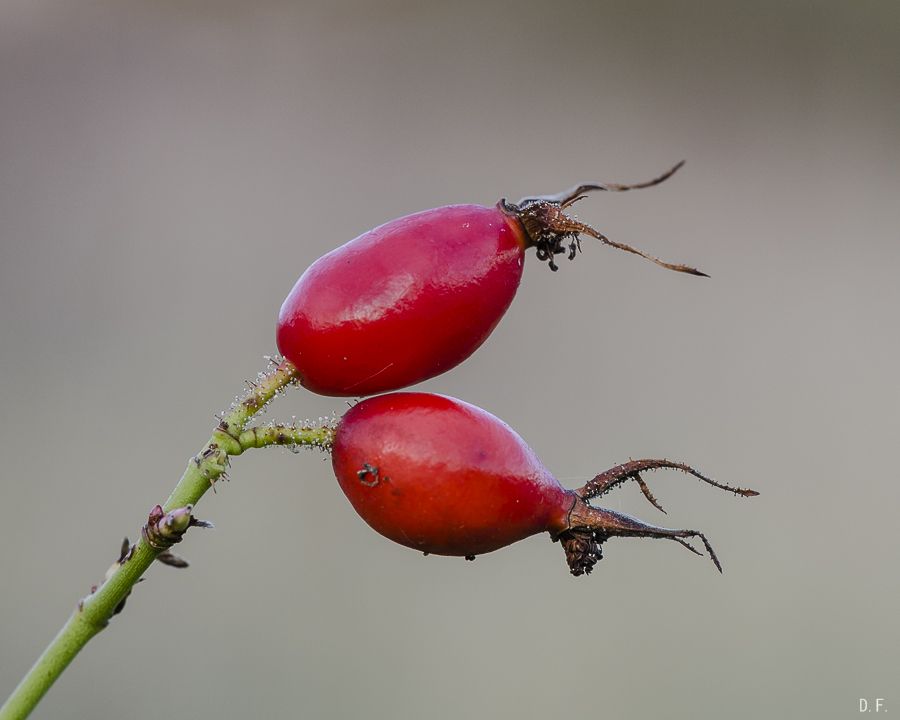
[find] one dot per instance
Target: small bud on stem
(163, 530)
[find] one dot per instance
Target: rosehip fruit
(415, 297)
(442, 476)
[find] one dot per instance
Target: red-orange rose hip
(442, 476)
(403, 302)
(415, 297)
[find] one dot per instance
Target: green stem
(94, 612)
(287, 435)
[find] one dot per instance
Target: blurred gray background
(168, 169)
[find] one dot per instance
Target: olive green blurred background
(168, 169)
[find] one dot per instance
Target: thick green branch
(94, 612)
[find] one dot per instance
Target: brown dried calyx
(551, 232)
(583, 550)
(587, 527)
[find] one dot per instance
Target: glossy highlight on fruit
(416, 296)
(442, 476)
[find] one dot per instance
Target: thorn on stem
(124, 551)
(167, 557)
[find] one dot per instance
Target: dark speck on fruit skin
(368, 475)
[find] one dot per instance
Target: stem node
(163, 530)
